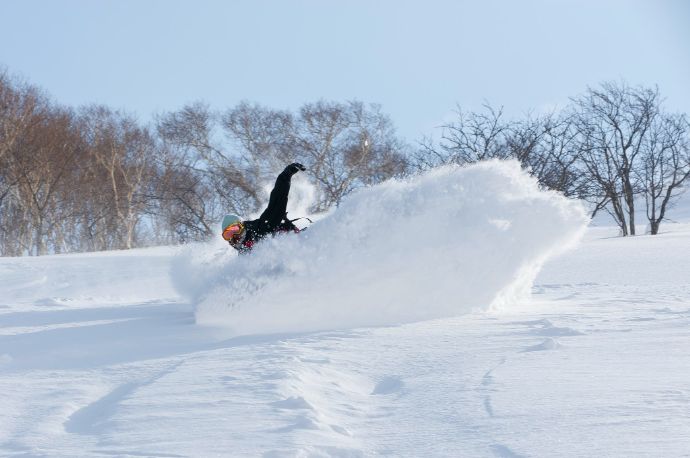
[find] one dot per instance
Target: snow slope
(100, 355)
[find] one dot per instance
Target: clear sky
(418, 59)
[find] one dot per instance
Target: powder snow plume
(447, 242)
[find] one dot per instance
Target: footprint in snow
(546, 328)
(300, 423)
(560, 332)
(341, 430)
(315, 360)
(532, 323)
(502, 451)
(293, 402)
(388, 385)
(549, 330)
(548, 344)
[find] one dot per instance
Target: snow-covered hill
(101, 354)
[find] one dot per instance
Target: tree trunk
(40, 246)
(619, 215)
(654, 226)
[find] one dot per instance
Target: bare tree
(193, 132)
(665, 165)
(17, 108)
(21, 106)
(186, 200)
(263, 138)
(546, 147)
(346, 146)
(43, 158)
(37, 151)
(123, 151)
(475, 136)
(612, 123)
(376, 153)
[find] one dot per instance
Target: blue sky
(418, 59)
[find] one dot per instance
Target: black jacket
(274, 218)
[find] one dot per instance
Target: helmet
(228, 220)
(233, 229)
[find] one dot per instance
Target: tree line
(93, 178)
(613, 146)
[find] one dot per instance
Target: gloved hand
(294, 168)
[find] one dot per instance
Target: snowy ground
(101, 356)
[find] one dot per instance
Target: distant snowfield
(100, 354)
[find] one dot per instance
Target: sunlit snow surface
(101, 356)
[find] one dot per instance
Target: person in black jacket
(242, 235)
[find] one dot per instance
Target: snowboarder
(242, 235)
